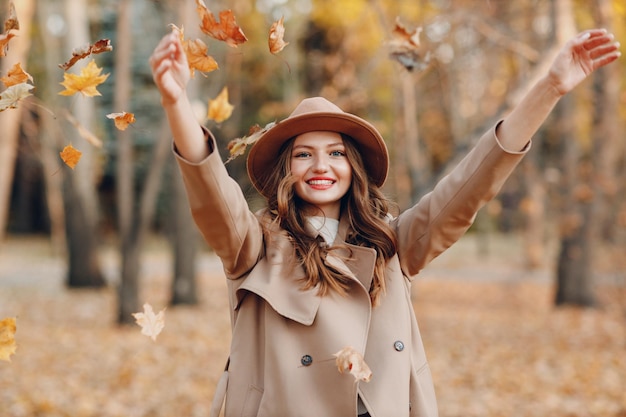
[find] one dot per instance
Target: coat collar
(277, 277)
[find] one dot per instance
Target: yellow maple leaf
(122, 120)
(151, 324)
(70, 156)
(219, 108)
(275, 40)
(12, 95)
(85, 83)
(348, 359)
(7, 338)
(405, 47)
(16, 75)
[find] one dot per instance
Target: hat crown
(315, 105)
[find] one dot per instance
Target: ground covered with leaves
(497, 346)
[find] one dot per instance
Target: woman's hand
(170, 69)
(583, 54)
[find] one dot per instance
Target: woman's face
(322, 171)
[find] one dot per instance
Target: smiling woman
(326, 267)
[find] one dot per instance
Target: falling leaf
(237, 147)
(16, 75)
(405, 48)
(11, 21)
(7, 338)
(85, 83)
(103, 45)
(4, 42)
(220, 109)
(11, 24)
(70, 156)
(12, 95)
(197, 54)
(151, 324)
(122, 120)
(348, 359)
(83, 131)
(277, 32)
(226, 30)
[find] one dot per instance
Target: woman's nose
(320, 164)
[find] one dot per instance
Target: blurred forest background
(118, 225)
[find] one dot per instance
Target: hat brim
(263, 154)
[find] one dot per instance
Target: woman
(326, 266)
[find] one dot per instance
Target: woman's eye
(302, 155)
(337, 153)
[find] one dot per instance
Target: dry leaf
(122, 120)
(220, 109)
(226, 30)
(404, 47)
(16, 75)
(348, 359)
(238, 146)
(12, 95)
(151, 324)
(197, 53)
(70, 156)
(11, 24)
(85, 83)
(7, 338)
(277, 32)
(103, 45)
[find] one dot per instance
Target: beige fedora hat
(319, 114)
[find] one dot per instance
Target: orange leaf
(7, 338)
(103, 45)
(151, 324)
(348, 359)
(16, 75)
(197, 53)
(122, 120)
(70, 156)
(12, 95)
(405, 47)
(11, 21)
(10, 24)
(226, 30)
(85, 83)
(220, 109)
(277, 32)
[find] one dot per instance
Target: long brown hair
(364, 206)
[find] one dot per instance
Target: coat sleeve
(221, 212)
(443, 215)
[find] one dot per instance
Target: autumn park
(112, 304)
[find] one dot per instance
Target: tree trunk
(80, 197)
(184, 235)
(10, 119)
(574, 279)
(128, 296)
(185, 242)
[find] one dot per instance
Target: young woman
(326, 266)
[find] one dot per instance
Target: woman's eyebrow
(330, 145)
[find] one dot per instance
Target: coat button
(306, 360)
(398, 345)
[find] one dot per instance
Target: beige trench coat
(281, 358)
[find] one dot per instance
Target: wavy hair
(364, 206)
